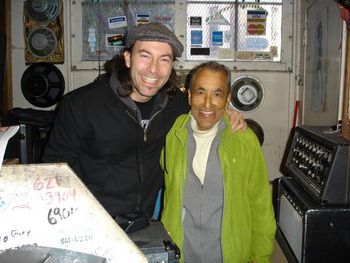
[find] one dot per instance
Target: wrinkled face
(150, 66)
(208, 96)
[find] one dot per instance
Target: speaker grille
(43, 31)
(247, 93)
(43, 11)
(291, 224)
(42, 84)
(42, 42)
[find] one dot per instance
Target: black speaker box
(308, 232)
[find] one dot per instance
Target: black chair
(34, 130)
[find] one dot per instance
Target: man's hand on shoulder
(236, 119)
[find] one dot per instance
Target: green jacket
(248, 223)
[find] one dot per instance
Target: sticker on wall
(256, 43)
(117, 21)
(198, 51)
(92, 39)
(165, 20)
(256, 22)
(196, 37)
(216, 17)
(263, 56)
(149, 11)
(218, 20)
(226, 53)
(245, 55)
(217, 38)
(114, 40)
(228, 35)
(274, 51)
(195, 21)
(142, 19)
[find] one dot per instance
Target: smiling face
(208, 97)
(150, 66)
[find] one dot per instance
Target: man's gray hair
(211, 65)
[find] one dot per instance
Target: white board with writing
(48, 205)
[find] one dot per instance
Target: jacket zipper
(149, 122)
(139, 163)
(139, 170)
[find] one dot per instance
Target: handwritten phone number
(76, 239)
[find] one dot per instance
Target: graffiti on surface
(21, 197)
(58, 214)
(14, 234)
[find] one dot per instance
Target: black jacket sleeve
(68, 135)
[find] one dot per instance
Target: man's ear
(189, 96)
(127, 58)
(228, 100)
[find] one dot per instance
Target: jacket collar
(161, 98)
(224, 123)
(181, 131)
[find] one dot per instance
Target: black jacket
(98, 134)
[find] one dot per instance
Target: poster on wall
(319, 65)
(322, 64)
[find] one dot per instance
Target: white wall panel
(273, 115)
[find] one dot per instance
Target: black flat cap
(155, 31)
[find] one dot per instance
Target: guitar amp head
(319, 163)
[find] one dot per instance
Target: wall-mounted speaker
(246, 93)
(42, 84)
(43, 31)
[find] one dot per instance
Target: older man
(217, 201)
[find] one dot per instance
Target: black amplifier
(308, 232)
(319, 162)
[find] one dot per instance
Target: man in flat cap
(112, 130)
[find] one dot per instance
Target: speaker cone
(42, 42)
(246, 93)
(42, 84)
(43, 11)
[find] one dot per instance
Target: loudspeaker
(43, 31)
(308, 232)
(42, 84)
(257, 129)
(247, 93)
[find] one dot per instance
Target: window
(105, 23)
(240, 31)
(234, 30)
